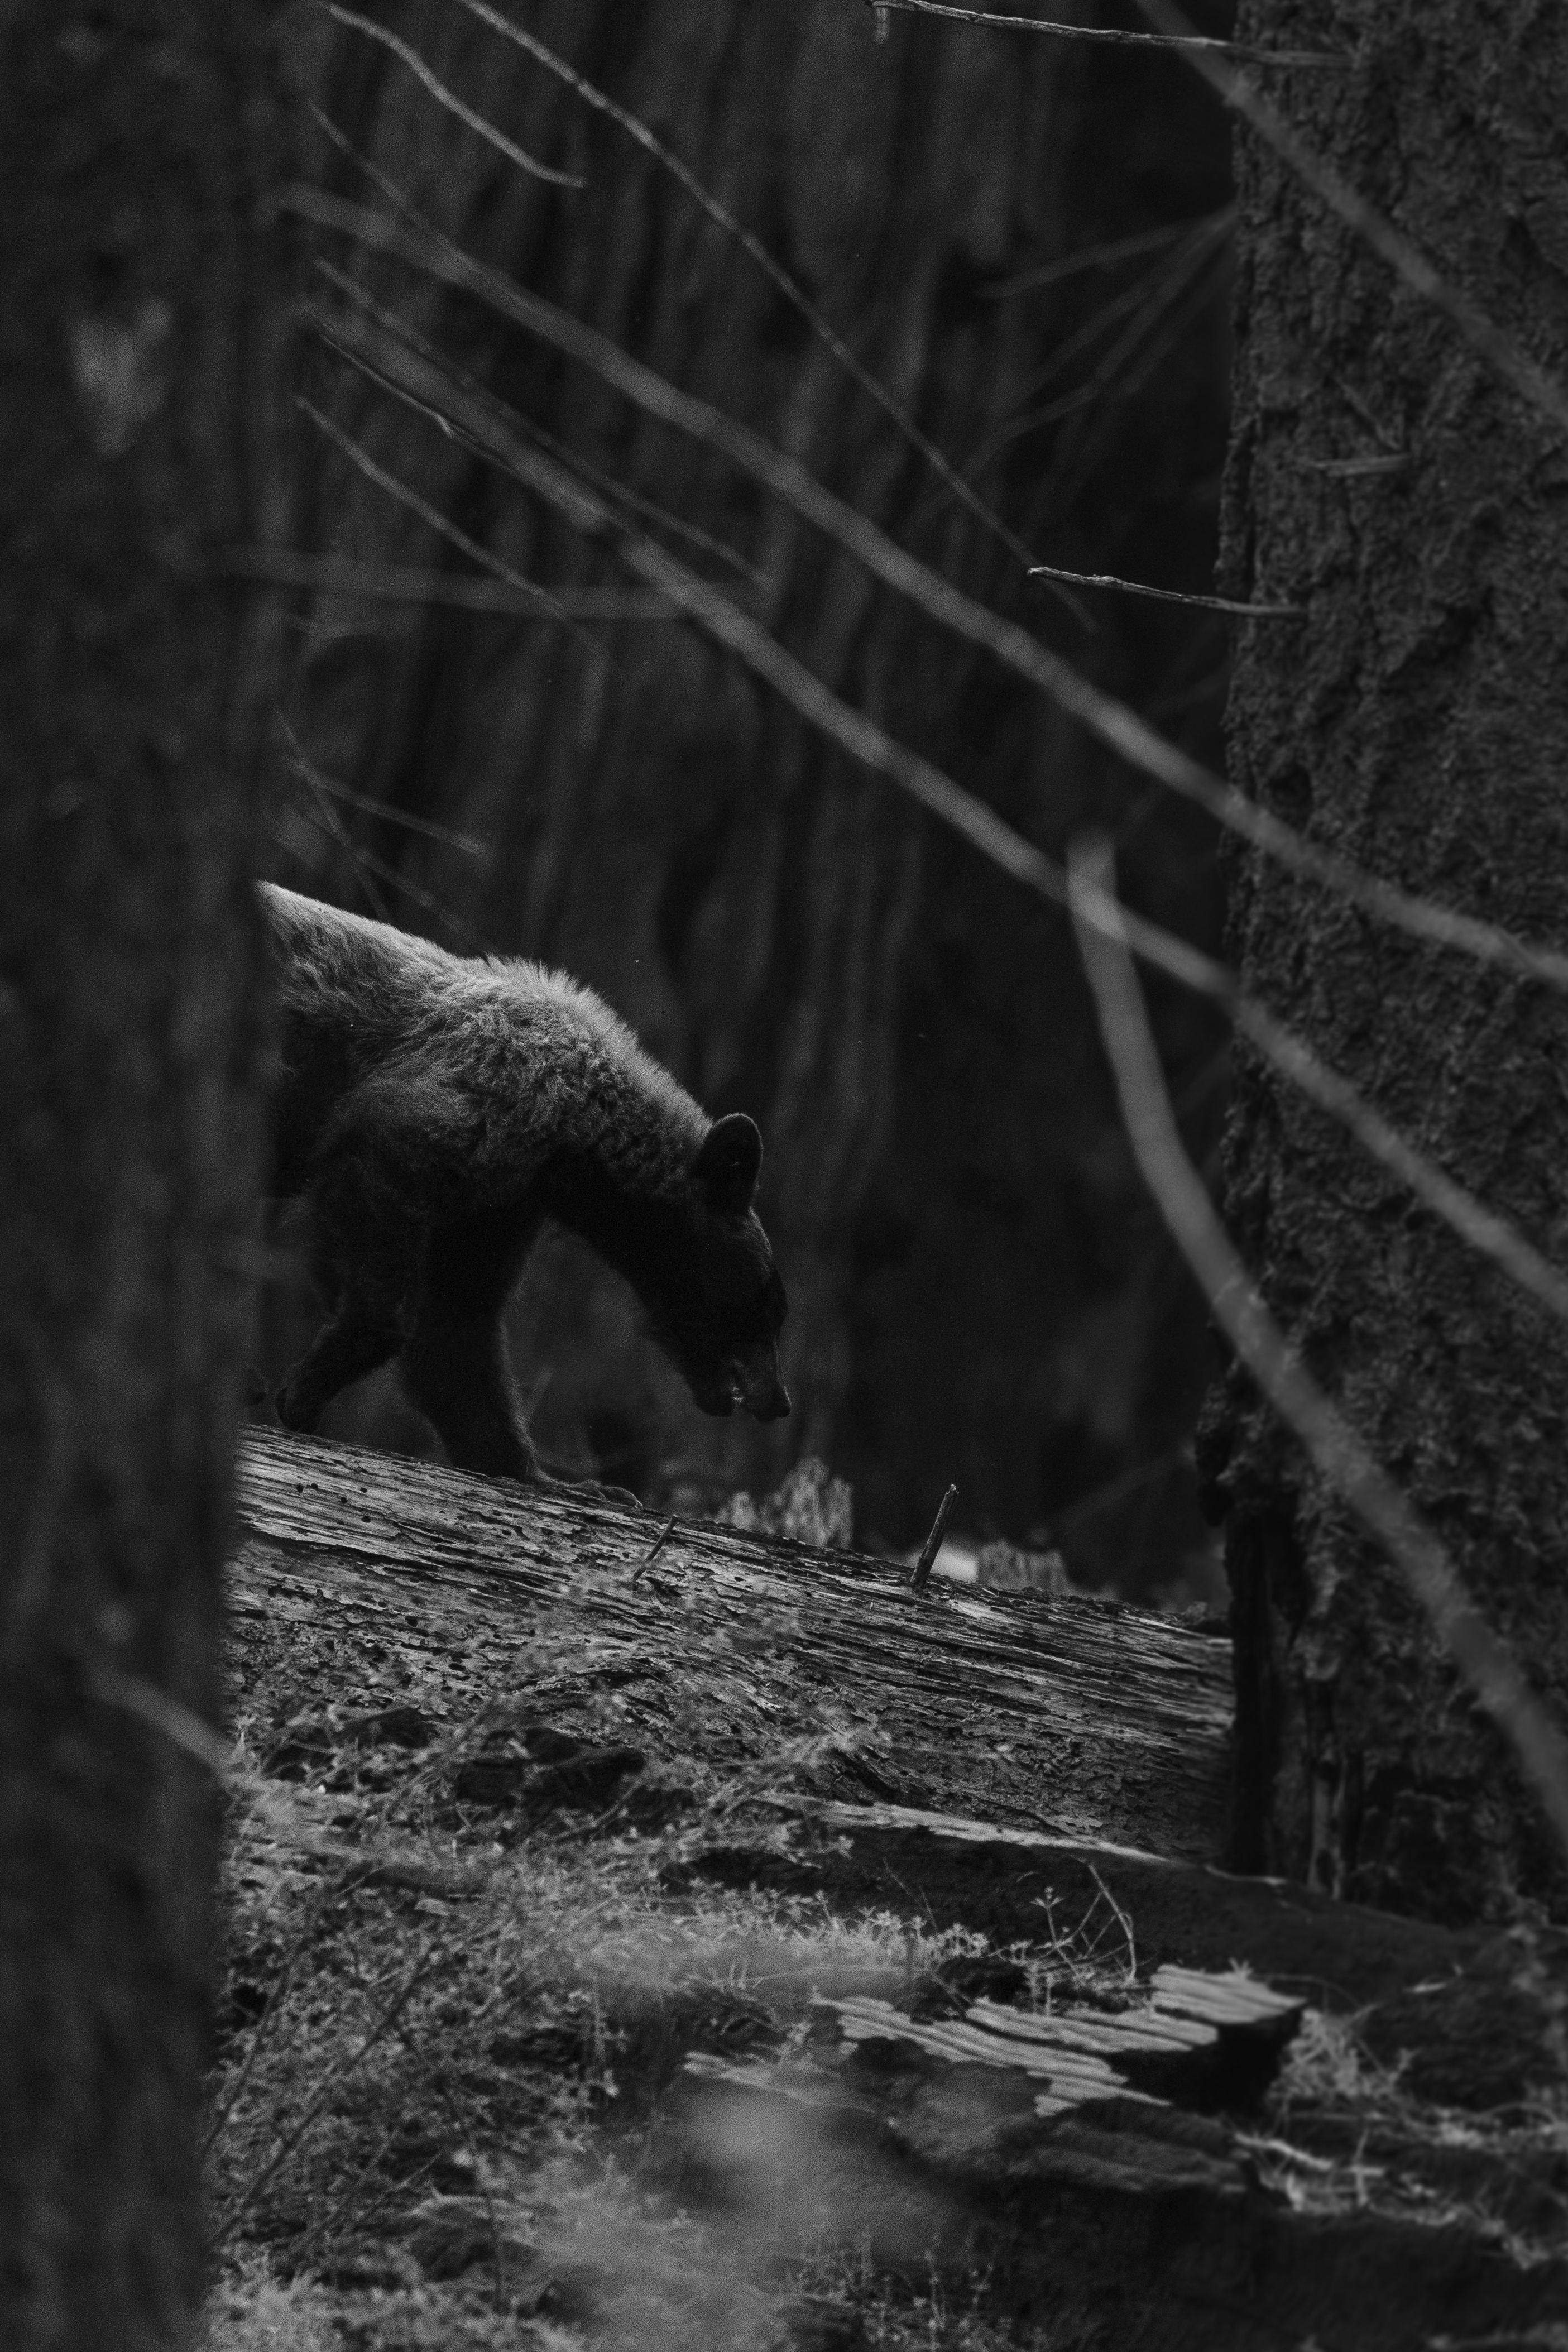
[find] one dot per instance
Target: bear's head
(715, 1304)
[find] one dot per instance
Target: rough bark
(365, 1582)
(977, 1292)
(971, 1749)
(1383, 478)
(135, 346)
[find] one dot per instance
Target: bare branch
(468, 843)
(1341, 1457)
(408, 584)
(1110, 721)
(372, 864)
(283, 2147)
(1105, 255)
(450, 102)
(278, 1992)
(427, 513)
(1475, 1223)
(866, 742)
(1187, 41)
(635, 501)
(179, 1724)
(1500, 352)
(721, 215)
(333, 824)
(1166, 595)
(1159, 303)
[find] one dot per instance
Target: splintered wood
(362, 1580)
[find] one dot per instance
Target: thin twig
(1104, 255)
(342, 2206)
(180, 1725)
(1341, 1459)
(422, 507)
(1112, 1491)
(1166, 595)
(469, 844)
(426, 898)
(1500, 352)
(635, 501)
(1111, 722)
(360, 859)
(1475, 1223)
(921, 1574)
(410, 583)
(722, 217)
(1123, 1920)
(278, 1993)
(450, 102)
(654, 1548)
(284, 2148)
(1157, 295)
(874, 749)
(1239, 49)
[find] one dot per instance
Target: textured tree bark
(136, 345)
(977, 1292)
(1381, 477)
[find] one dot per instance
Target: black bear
(433, 1110)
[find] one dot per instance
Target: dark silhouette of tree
(136, 344)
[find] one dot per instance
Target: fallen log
(365, 1580)
(1002, 1761)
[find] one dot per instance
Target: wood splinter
(933, 1544)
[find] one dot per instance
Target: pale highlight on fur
(509, 1019)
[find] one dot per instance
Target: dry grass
(444, 2057)
(454, 2043)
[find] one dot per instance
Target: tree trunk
(974, 1292)
(135, 346)
(1382, 476)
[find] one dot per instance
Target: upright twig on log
(1342, 1460)
(654, 1548)
(933, 1544)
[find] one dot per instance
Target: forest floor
(542, 2029)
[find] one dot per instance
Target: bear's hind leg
(453, 1360)
(455, 1363)
(366, 1247)
(357, 1341)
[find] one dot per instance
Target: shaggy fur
(433, 1110)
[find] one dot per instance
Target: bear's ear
(728, 1164)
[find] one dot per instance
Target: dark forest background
(1028, 242)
